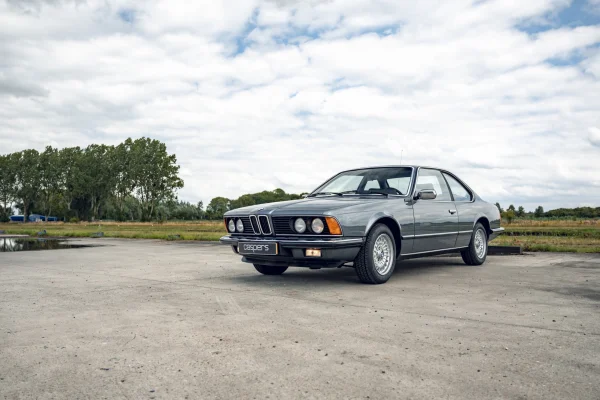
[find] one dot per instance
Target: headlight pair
(316, 225)
(238, 225)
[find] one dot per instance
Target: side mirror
(426, 194)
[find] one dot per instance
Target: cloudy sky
(255, 95)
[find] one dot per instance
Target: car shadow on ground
(342, 276)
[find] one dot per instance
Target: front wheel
(270, 270)
(376, 260)
(476, 253)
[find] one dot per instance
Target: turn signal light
(333, 225)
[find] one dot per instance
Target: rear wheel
(376, 260)
(476, 253)
(270, 270)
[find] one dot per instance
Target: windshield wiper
(375, 191)
(326, 193)
(333, 193)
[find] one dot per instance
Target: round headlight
(317, 225)
(300, 225)
(231, 226)
(240, 225)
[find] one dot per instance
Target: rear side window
(432, 179)
(458, 190)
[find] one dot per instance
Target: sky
(257, 95)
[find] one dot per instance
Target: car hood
(307, 206)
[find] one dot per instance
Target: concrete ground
(149, 319)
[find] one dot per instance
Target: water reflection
(26, 244)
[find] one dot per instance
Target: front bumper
(495, 233)
(292, 250)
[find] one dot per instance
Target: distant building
(32, 218)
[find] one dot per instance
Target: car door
(467, 214)
(436, 220)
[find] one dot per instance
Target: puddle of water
(26, 244)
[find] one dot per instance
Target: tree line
(137, 180)
(128, 181)
(579, 212)
(220, 205)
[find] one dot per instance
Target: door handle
(452, 212)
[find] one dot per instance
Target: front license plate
(260, 248)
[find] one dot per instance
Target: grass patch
(205, 230)
(577, 236)
(550, 243)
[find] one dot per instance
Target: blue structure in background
(32, 218)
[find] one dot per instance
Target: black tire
(270, 270)
(364, 263)
(469, 255)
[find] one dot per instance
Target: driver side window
(433, 179)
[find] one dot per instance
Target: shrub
(509, 215)
(74, 220)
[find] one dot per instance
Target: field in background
(532, 235)
(568, 235)
(204, 230)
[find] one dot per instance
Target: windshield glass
(394, 181)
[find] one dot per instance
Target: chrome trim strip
(308, 236)
(435, 234)
(325, 242)
(294, 242)
(433, 251)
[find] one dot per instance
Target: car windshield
(370, 181)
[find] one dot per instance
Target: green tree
(155, 173)
(124, 175)
(521, 212)
(7, 186)
(512, 208)
(499, 208)
(50, 182)
(200, 207)
(70, 177)
(509, 215)
(96, 180)
(27, 175)
(217, 207)
(539, 212)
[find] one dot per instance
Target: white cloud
(594, 136)
(264, 94)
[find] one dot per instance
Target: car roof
(396, 166)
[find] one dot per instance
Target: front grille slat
(264, 224)
(246, 222)
(283, 226)
(254, 222)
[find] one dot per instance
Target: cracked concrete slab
(152, 319)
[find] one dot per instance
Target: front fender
(380, 215)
